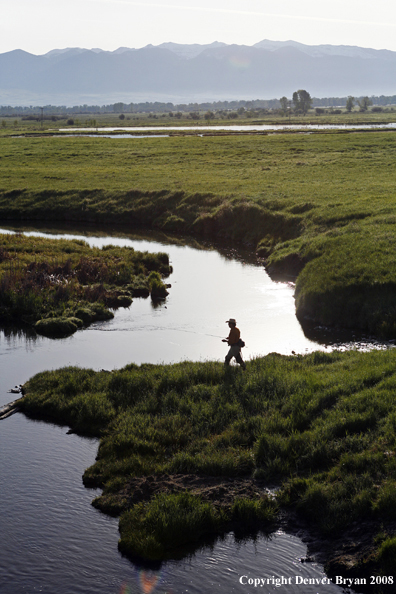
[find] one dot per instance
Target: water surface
(235, 128)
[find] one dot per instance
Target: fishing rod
(159, 329)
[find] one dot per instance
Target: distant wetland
(190, 451)
(245, 128)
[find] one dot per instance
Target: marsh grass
(386, 555)
(322, 203)
(322, 426)
(61, 285)
(157, 530)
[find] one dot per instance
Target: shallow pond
(235, 128)
(53, 540)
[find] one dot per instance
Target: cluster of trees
(381, 100)
(364, 103)
(301, 102)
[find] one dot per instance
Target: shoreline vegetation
(186, 450)
(316, 207)
(58, 286)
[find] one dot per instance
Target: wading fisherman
(234, 342)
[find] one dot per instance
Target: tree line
(299, 103)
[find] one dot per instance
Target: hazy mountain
(191, 50)
(318, 51)
(193, 72)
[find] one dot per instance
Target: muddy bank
(220, 491)
(351, 555)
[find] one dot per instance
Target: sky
(42, 25)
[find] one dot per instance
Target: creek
(53, 540)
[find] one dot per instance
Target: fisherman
(234, 342)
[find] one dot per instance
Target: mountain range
(194, 73)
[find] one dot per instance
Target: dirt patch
(220, 491)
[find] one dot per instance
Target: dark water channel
(52, 540)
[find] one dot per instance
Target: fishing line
(154, 329)
(157, 329)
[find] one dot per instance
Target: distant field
(320, 203)
(10, 124)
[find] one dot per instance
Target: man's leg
(233, 352)
(229, 356)
(239, 360)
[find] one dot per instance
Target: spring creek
(53, 541)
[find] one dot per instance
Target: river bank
(321, 426)
(317, 207)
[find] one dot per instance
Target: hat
(231, 320)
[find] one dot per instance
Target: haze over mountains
(194, 73)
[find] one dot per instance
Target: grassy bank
(322, 426)
(61, 285)
(320, 203)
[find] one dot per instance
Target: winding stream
(53, 540)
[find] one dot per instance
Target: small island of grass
(187, 450)
(62, 285)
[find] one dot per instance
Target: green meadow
(321, 427)
(320, 206)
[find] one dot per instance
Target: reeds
(58, 282)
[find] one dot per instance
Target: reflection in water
(342, 339)
(208, 279)
(207, 289)
(27, 333)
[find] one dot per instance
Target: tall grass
(159, 529)
(321, 426)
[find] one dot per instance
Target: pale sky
(38, 26)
